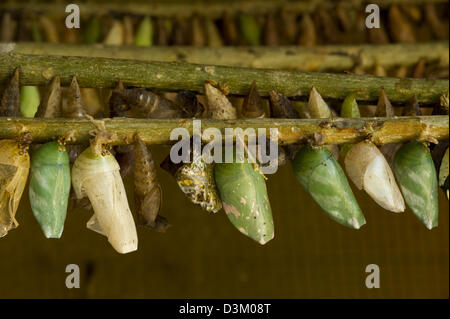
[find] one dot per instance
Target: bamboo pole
(103, 72)
(316, 131)
(319, 58)
(213, 9)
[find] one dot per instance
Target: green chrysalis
(415, 172)
(323, 178)
(250, 29)
(245, 201)
(144, 33)
(49, 188)
(29, 100)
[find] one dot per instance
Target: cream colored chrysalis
(368, 169)
(97, 177)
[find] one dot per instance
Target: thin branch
(316, 131)
(103, 72)
(319, 58)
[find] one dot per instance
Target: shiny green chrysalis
(250, 29)
(323, 178)
(29, 100)
(245, 201)
(49, 188)
(144, 33)
(416, 175)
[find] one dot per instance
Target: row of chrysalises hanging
(391, 175)
(342, 24)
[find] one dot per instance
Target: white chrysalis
(369, 170)
(98, 178)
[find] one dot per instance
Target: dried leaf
(115, 34)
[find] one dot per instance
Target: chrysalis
(318, 108)
(119, 108)
(368, 169)
(219, 107)
(253, 104)
(151, 105)
(250, 29)
(401, 29)
(14, 168)
(144, 33)
(10, 103)
(74, 109)
(29, 100)
(241, 186)
(50, 106)
(443, 173)
(115, 34)
(322, 177)
(416, 175)
(147, 190)
(307, 35)
(188, 102)
(281, 107)
(270, 31)
(230, 30)
(97, 177)
(245, 201)
(50, 187)
(196, 180)
(92, 31)
(214, 39)
(196, 32)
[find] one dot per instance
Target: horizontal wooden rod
(316, 131)
(319, 58)
(213, 9)
(170, 76)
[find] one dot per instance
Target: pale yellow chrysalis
(98, 178)
(368, 169)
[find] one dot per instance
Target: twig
(103, 72)
(320, 58)
(318, 131)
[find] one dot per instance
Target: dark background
(204, 256)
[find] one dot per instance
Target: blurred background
(204, 256)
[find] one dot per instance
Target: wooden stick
(320, 58)
(316, 131)
(103, 72)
